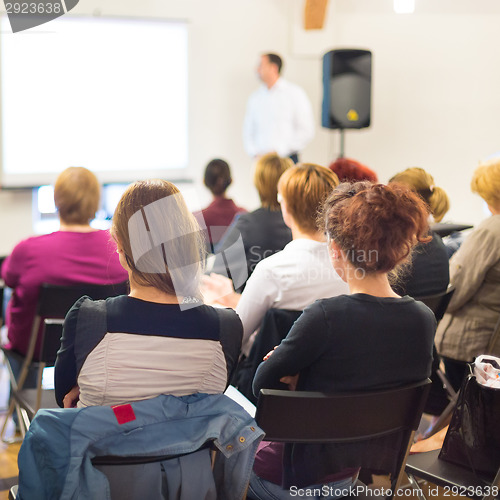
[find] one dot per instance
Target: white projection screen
(109, 94)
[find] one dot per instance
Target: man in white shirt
(279, 116)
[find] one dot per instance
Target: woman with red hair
(369, 340)
(349, 170)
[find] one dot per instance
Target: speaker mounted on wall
(347, 75)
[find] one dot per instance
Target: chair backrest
(335, 418)
(345, 418)
(438, 302)
(51, 340)
(55, 301)
(273, 329)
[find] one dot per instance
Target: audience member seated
(466, 328)
(160, 339)
(76, 253)
(301, 273)
(219, 214)
(262, 231)
(427, 272)
(349, 170)
(369, 340)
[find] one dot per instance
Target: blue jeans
(260, 489)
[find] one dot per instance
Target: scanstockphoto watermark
(328, 491)
(163, 240)
(24, 15)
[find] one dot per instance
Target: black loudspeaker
(347, 77)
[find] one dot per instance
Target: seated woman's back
(76, 253)
(428, 270)
(357, 342)
(161, 339)
(371, 339)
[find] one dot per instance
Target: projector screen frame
(20, 182)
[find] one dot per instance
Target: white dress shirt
(291, 279)
(279, 119)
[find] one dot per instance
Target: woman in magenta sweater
(76, 253)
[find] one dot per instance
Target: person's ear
(334, 250)
(119, 248)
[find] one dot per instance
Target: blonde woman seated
(77, 253)
(160, 339)
(466, 328)
(262, 231)
(428, 271)
(301, 273)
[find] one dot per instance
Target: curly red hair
(375, 225)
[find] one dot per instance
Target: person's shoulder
(482, 236)
(35, 244)
(291, 86)
(337, 303)
(271, 262)
(225, 314)
(100, 234)
(322, 309)
(490, 223)
(246, 218)
(256, 94)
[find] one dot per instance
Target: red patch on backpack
(124, 413)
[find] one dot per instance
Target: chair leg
(13, 407)
(416, 487)
(399, 480)
(10, 412)
(443, 420)
(446, 383)
(39, 390)
(495, 484)
(24, 421)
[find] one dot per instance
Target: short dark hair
(275, 59)
(217, 176)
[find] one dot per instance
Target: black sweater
(349, 343)
(354, 342)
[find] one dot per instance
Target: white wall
(434, 99)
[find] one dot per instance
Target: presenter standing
(279, 116)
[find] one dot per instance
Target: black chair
(53, 304)
(454, 479)
(359, 419)
(273, 329)
(148, 449)
(442, 397)
(133, 477)
(123, 477)
(438, 302)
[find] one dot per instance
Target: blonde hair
(268, 170)
(160, 238)
(486, 181)
(76, 195)
(304, 189)
(423, 184)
